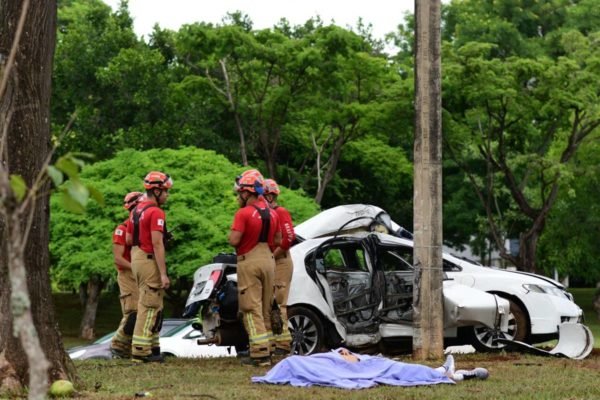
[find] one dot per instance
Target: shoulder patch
(160, 222)
(119, 232)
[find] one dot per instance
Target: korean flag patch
(119, 232)
(160, 222)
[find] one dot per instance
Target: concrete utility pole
(428, 339)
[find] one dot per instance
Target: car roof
(351, 216)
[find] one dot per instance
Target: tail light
(215, 276)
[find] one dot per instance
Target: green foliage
(89, 36)
(381, 175)
(517, 79)
(518, 106)
(199, 211)
(570, 240)
(18, 186)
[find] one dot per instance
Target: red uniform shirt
(287, 228)
(119, 238)
(248, 221)
(152, 219)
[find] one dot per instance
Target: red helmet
(271, 187)
(131, 199)
(251, 181)
(157, 180)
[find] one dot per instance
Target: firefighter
(283, 264)
(146, 231)
(120, 346)
(255, 225)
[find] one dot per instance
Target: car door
(346, 266)
(397, 266)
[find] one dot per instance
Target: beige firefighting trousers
(128, 294)
(283, 277)
(255, 272)
(150, 304)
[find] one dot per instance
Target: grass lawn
(512, 375)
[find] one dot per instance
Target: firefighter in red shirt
(283, 264)
(255, 226)
(146, 231)
(128, 290)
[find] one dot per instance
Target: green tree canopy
(200, 211)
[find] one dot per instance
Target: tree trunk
(87, 330)
(268, 142)
(428, 321)
(334, 158)
(25, 106)
(527, 252)
(596, 302)
(234, 110)
(83, 296)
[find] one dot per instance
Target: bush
(200, 211)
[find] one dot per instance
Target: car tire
(306, 329)
(483, 338)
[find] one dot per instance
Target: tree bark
(25, 127)
(428, 338)
(87, 330)
(596, 302)
(331, 163)
(234, 110)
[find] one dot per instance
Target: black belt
(150, 256)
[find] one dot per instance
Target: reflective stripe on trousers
(255, 293)
(150, 302)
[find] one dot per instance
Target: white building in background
(493, 259)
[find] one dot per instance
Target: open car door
(345, 264)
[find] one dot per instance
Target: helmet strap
(245, 198)
(157, 196)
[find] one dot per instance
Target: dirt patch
(503, 357)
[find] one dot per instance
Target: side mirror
(194, 335)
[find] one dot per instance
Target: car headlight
(551, 290)
(76, 354)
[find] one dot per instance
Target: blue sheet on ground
(330, 369)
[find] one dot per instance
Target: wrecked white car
(353, 289)
(540, 308)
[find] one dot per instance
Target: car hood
(525, 277)
(544, 278)
(349, 217)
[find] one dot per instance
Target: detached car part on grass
(354, 290)
(575, 341)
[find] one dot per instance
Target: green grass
(512, 376)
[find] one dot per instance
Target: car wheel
(306, 329)
(484, 338)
